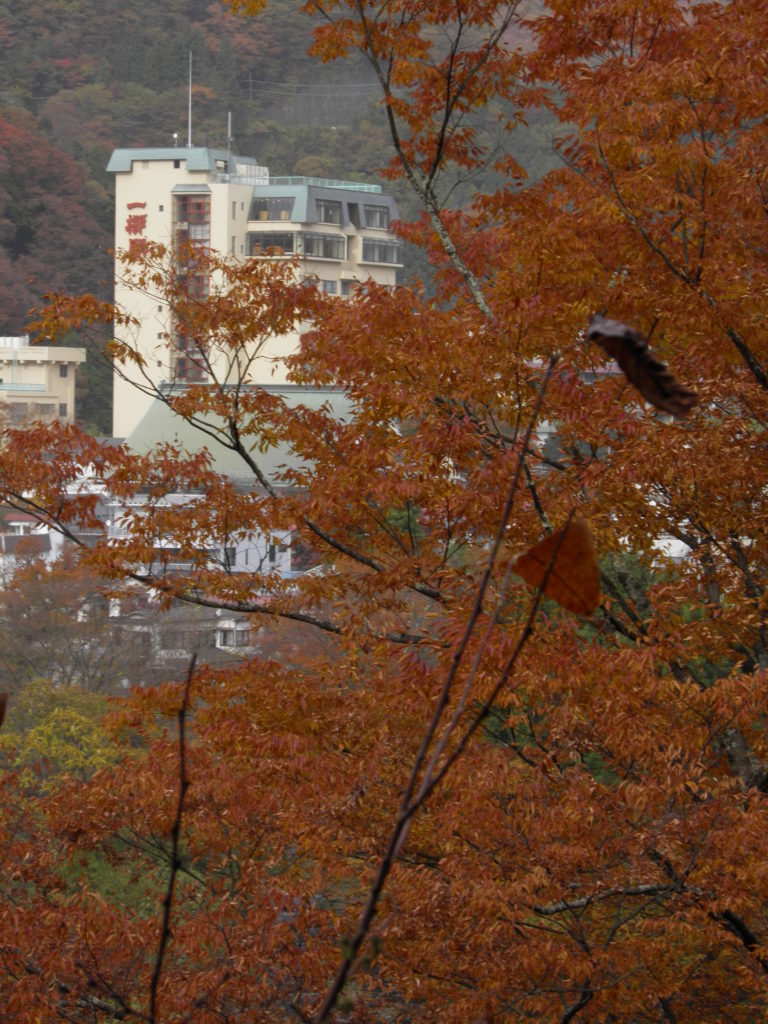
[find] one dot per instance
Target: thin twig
(165, 930)
(432, 781)
(409, 805)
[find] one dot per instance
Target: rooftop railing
(293, 179)
(257, 178)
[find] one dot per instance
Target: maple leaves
(435, 798)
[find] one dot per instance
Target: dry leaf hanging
(651, 378)
(3, 706)
(574, 577)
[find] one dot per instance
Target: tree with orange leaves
(462, 803)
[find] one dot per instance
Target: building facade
(37, 382)
(208, 198)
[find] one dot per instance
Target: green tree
(52, 731)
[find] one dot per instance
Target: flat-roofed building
(37, 382)
(340, 231)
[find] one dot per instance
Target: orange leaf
(574, 577)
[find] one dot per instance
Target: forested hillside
(78, 78)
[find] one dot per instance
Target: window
(347, 287)
(63, 370)
(194, 283)
(242, 637)
(259, 243)
(328, 211)
(376, 217)
(161, 208)
(375, 251)
(189, 365)
(329, 287)
(191, 230)
(177, 164)
(324, 247)
(238, 637)
(192, 220)
(272, 208)
(234, 209)
(62, 409)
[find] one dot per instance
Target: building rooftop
(24, 353)
(160, 425)
(227, 166)
(196, 158)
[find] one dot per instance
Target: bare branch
(577, 1007)
(409, 805)
(165, 928)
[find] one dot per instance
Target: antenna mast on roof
(229, 141)
(189, 105)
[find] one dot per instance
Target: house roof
(160, 425)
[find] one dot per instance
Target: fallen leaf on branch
(650, 376)
(574, 577)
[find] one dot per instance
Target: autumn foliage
(454, 799)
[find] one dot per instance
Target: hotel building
(339, 231)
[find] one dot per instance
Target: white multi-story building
(339, 231)
(37, 382)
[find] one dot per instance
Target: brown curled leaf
(3, 706)
(650, 376)
(574, 577)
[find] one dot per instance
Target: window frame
(388, 246)
(374, 215)
(326, 242)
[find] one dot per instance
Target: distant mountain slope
(81, 77)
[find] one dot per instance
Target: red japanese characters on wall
(136, 225)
